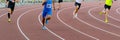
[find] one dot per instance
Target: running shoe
(106, 21)
(44, 28)
(9, 20)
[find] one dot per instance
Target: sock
(8, 15)
(103, 11)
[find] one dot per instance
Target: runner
(59, 5)
(11, 5)
(107, 7)
(77, 7)
(47, 12)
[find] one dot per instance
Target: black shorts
(78, 4)
(107, 7)
(59, 1)
(11, 5)
(7, 0)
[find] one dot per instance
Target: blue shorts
(47, 10)
(45, 13)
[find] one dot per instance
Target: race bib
(49, 5)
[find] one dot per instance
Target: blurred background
(30, 2)
(21, 2)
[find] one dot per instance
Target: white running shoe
(75, 15)
(44, 28)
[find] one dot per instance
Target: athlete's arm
(43, 2)
(53, 1)
(6, 2)
(16, 0)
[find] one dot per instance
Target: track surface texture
(89, 25)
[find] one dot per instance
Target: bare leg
(59, 6)
(106, 15)
(9, 14)
(45, 21)
(75, 11)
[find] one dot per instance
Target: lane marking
(14, 11)
(117, 10)
(73, 27)
(18, 25)
(114, 19)
(89, 12)
(49, 29)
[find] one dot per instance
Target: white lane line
(16, 10)
(103, 22)
(49, 29)
(18, 25)
(117, 10)
(113, 17)
(73, 27)
(2, 15)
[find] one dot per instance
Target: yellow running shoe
(9, 20)
(106, 20)
(100, 13)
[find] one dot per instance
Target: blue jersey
(47, 8)
(48, 5)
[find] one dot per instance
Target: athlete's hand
(17, 1)
(43, 3)
(6, 5)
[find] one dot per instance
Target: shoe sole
(106, 21)
(43, 28)
(100, 13)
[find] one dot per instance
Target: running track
(89, 25)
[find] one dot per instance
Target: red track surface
(88, 26)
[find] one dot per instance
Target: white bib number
(49, 6)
